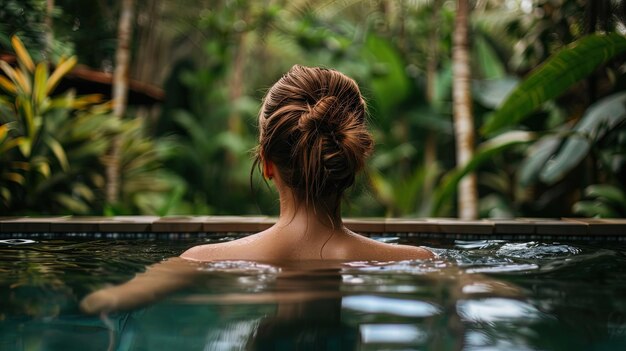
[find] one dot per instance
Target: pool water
(478, 295)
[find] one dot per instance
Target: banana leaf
(557, 74)
(600, 118)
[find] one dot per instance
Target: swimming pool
(479, 295)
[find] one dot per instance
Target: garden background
(486, 108)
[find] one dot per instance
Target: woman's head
(313, 128)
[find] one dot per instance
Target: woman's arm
(152, 285)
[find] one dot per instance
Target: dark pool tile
(559, 227)
(465, 227)
(127, 224)
(406, 225)
(512, 226)
(6, 218)
(76, 224)
(537, 219)
(28, 224)
(602, 226)
(179, 224)
(235, 224)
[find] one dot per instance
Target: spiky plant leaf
(22, 55)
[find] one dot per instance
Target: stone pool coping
(569, 227)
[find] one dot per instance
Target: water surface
(478, 295)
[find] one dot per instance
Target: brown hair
(312, 126)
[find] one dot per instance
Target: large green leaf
(389, 84)
(492, 92)
(427, 118)
(599, 118)
(489, 64)
(557, 74)
(443, 86)
(538, 154)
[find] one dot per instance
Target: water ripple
(535, 250)
(17, 241)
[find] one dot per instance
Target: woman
(313, 139)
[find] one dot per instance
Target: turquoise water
(479, 295)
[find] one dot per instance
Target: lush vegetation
(547, 90)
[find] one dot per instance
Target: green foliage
(555, 76)
(405, 197)
(488, 63)
(556, 154)
(484, 152)
(601, 118)
(27, 20)
(53, 147)
(146, 186)
(603, 200)
(24, 18)
(594, 136)
(48, 142)
(389, 83)
(233, 50)
(213, 159)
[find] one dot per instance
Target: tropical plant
(25, 18)
(53, 146)
(485, 152)
(562, 70)
(550, 164)
(31, 21)
(35, 164)
(602, 200)
(552, 158)
(146, 187)
(400, 53)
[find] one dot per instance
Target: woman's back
(292, 243)
(313, 140)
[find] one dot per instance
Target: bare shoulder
(376, 250)
(201, 252)
(408, 252)
(236, 249)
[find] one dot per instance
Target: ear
(268, 169)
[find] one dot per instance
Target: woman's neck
(297, 212)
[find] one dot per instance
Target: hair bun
(319, 117)
(314, 130)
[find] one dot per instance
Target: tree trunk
(430, 144)
(49, 34)
(462, 106)
(120, 93)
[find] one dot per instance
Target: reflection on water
(477, 295)
(493, 310)
(386, 305)
(391, 334)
